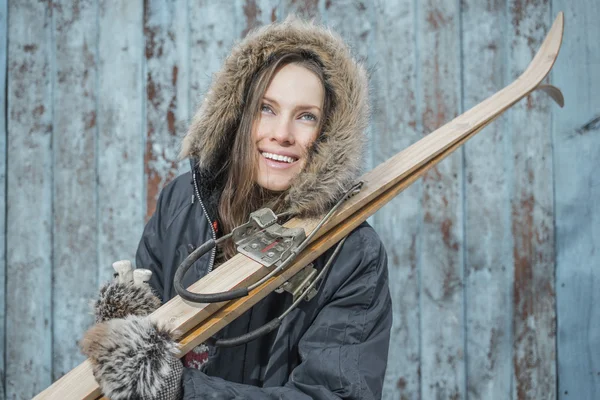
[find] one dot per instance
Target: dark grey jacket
(334, 346)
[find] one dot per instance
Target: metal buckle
(299, 282)
(264, 240)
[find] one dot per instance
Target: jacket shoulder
(362, 258)
(175, 196)
(365, 235)
(365, 241)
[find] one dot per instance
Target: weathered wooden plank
(395, 115)
(255, 13)
(29, 200)
(213, 28)
(576, 153)
(74, 252)
(3, 68)
(354, 22)
(167, 108)
(441, 248)
(307, 9)
(488, 261)
(120, 127)
(532, 215)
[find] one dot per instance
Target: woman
(282, 126)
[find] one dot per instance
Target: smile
(278, 157)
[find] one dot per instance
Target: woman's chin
(274, 184)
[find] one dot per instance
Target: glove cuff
(134, 358)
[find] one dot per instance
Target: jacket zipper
(212, 229)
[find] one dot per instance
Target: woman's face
(288, 123)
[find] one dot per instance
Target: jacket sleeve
(344, 351)
(149, 252)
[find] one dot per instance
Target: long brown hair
(241, 194)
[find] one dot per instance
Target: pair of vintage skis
(198, 322)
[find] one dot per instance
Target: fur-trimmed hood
(336, 157)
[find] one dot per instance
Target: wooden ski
(198, 322)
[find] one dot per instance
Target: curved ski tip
(544, 59)
(559, 22)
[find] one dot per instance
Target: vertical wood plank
(441, 252)
(120, 127)
(532, 216)
(256, 13)
(3, 69)
(576, 133)
(307, 9)
(214, 27)
(394, 81)
(488, 260)
(167, 108)
(29, 200)
(74, 274)
(353, 20)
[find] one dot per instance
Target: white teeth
(278, 157)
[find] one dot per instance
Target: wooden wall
(494, 255)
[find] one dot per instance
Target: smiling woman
(288, 102)
(288, 124)
(281, 127)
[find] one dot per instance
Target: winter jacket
(335, 345)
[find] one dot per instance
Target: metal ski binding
(300, 283)
(264, 240)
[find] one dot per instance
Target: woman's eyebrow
(270, 100)
(308, 107)
(299, 107)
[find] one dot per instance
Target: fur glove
(134, 358)
(128, 294)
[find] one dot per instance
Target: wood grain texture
(395, 126)
(488, 261)
(213, 29)
(120, 127)
(256, 13)
(532, 214)
(167, 81)
(441, 247)
(74, 81)
(353, 20)
(576, 151)
(307, 9)
(29, 200)
(3, 134)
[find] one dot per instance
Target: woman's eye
(266, 108)
(308, 117)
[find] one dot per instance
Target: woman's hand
(128, 294)
(134, 358)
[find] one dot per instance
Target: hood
(336, 158)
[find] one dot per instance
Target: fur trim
(336, 159)
(134, 358)
(118, 300)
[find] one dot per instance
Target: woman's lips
(277, 164)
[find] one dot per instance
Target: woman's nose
(283, 132)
